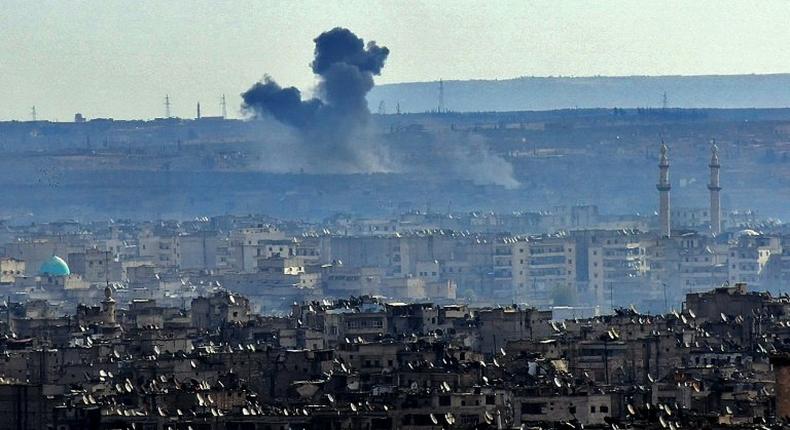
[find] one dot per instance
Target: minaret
(663, 192)
(108, 306)
(715, 188)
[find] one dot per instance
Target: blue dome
(55, 266)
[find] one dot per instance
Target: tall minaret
(663, 192)
(715, 188)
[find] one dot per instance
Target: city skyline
(414, 215)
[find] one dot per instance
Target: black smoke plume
(332, 129)
(333, 125)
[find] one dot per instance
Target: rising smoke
(334, 126)
(332, 131)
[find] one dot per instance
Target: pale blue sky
(119, 58)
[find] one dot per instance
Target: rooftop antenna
(107, 268)
(33, 113)
(224, 105)
(167, 106)
(441, 96)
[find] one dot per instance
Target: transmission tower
(167, 106)
(33, 113)
(224, 106)
(664, 101)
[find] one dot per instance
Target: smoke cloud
(470, 158)
(330, 133)
(332, 126)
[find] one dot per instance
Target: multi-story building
(362, 321)
(544, 270)
(96, 266)
(609, 264)
(10, 268)
(219, 309)
(198, 250)
(244, 247)
(686, 262)
(749, 257)
(160, 246)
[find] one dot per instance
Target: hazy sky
(120, 58)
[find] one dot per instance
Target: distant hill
(536, 93)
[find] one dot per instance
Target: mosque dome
(54, 266)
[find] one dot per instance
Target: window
(532, 408)
(604, 409)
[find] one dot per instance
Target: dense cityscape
(564, 317)
(603, 248)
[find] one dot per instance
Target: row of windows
(366, 323)
(446, 401)
(537, 408)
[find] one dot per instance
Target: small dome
(108, 294)
(54, 266)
